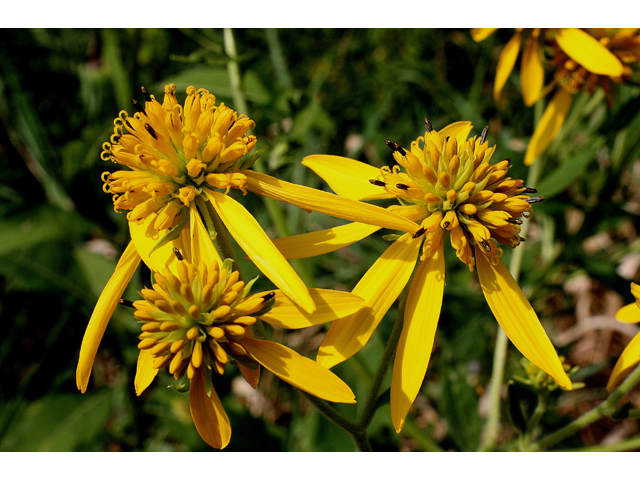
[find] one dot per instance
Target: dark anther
(151, 131)
(395, 147)
(177, 253)
(521, 239)
(486, 245)
(419, 232)
(515, 221)
(402, 186)
(530, 190)
(428, 125)
(137, 105)
(126, 303)
(483, 136)
(377, 183)
(534, 199)
(146, 94)
(232, 124)
(269, 296)
(128, 124)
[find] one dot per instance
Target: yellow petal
(588, 52)
(550, 124)
(459, 130)
(531, 71)
(251, 375)
(260, 249)
(145, 237)
(629, 358)
(348, 178)
(102, 312)
(299, 371)
(323, 241)
(629, 314)
(330, 305)
(207, 412)
(379, 288)
(145, 373)
(506, 63)
(517, 318)
(479, 34)
(202, 247)
(325, 202)
(418, 332)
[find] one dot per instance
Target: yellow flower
(178, 156)
(580, 58)
(631, 354)
(446, 183)
(195, 319)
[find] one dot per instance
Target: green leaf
(58, 423)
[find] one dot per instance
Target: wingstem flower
(631, 354)
(446, 183)
(579, 58)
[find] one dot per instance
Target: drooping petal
(260, 249)
(102, 312)
(325, 202)
(459, 130)
(379, 288)
(550, 124)
(348, 178)
(145, 373)
(208, 414)
(202, 247)
(517, 318)
(144, 236)
(628, 359)
(251, 375)
(531, 71)
(330, 305)
(507, 61)
(323, 241)
(418, 332)
(629, 314)
(588, 52)
(299, 371)
(479, 34)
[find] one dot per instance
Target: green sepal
(182, 387)
(172, 234)
(256, 155)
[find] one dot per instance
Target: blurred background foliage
(309, 91)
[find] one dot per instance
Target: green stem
(492, 426)
(605, 408)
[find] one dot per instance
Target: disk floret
(173, 151)
(459, 191)
(198, 318)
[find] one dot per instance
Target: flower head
(631, 354)
(195, 319)
(446, 183)
(173, 151)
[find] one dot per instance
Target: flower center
(172, 151)
(460, 192)
(197, 319)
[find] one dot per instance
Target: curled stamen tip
(177, 253)
(483, 136)
(419, 232)
(377, 183)
(534, 199)
(428, 125)
(126, 303)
